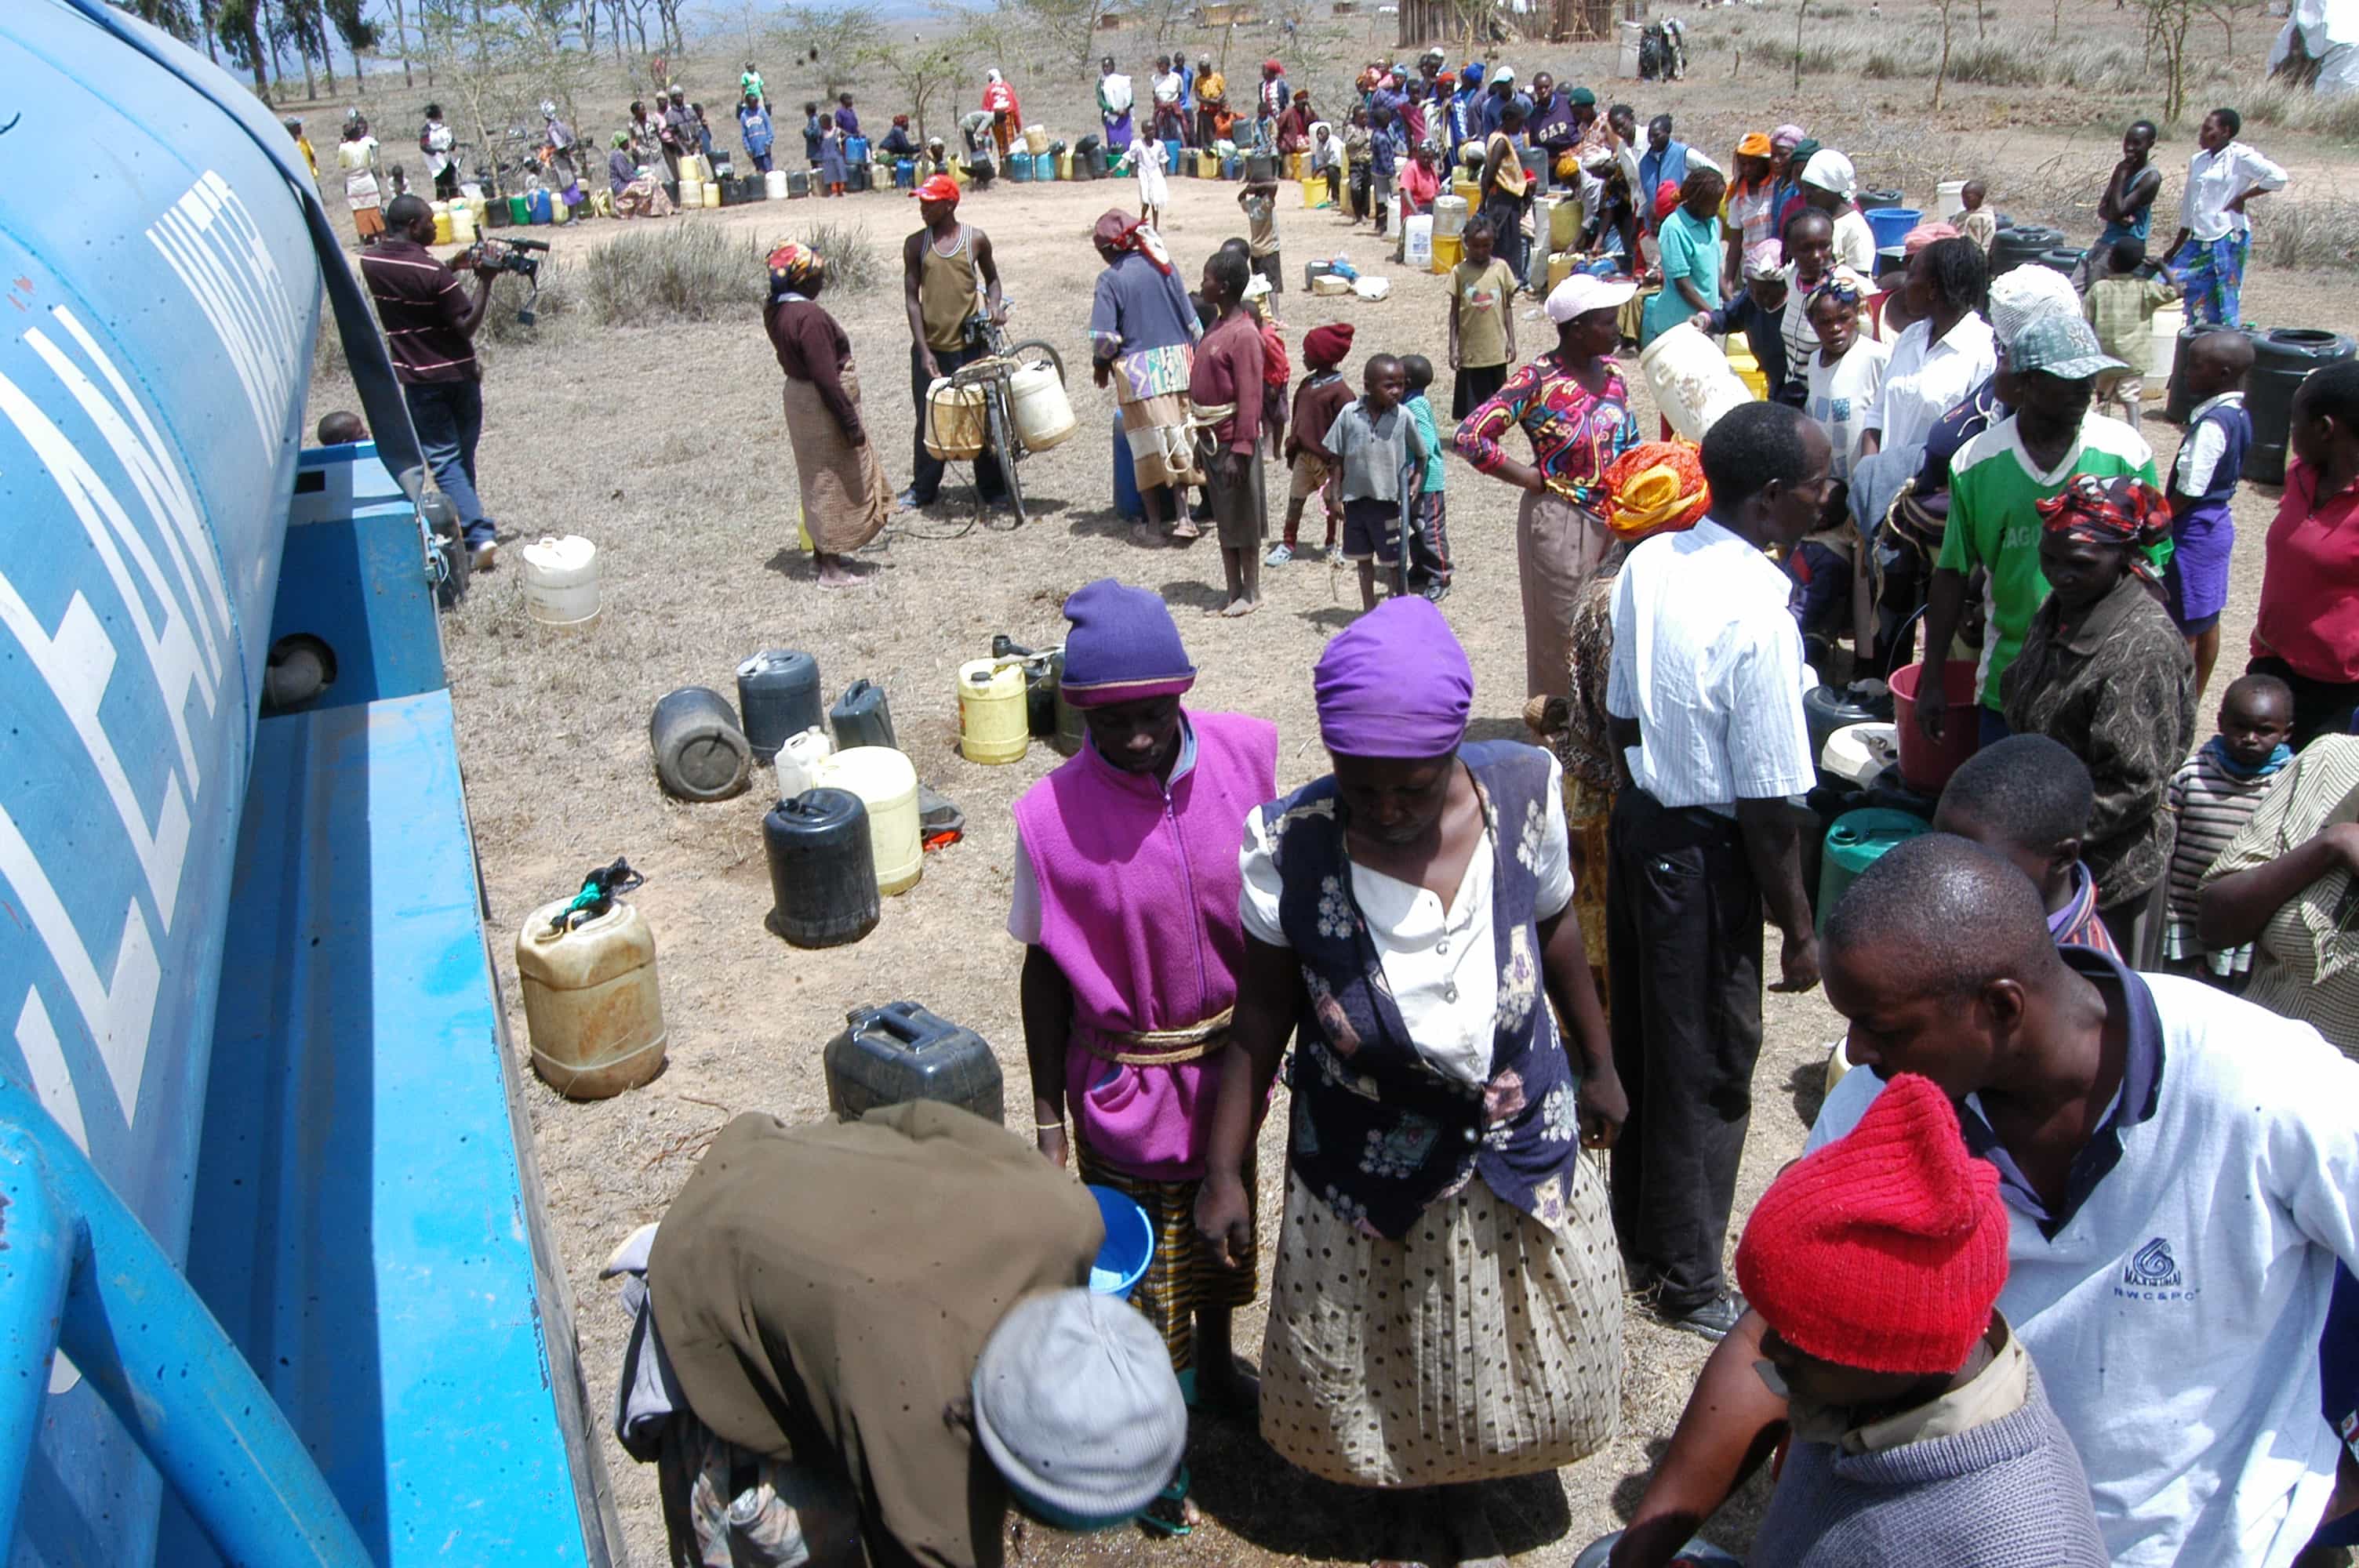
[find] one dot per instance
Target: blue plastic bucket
(1128, 502)
(1129, 1244)
(1891, 224)
(1019, 166)
(905, 173)
(1172, 153)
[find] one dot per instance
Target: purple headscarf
(1394, 684)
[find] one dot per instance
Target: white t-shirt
(2175, 1316)
(1709, 660)
(1442, 964)
(1855, 243)
(1801, 337)
(1841, 396)
(2206, 444)
(1925, 380)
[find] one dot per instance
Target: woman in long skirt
(846, 497)
(1447, 1308)
(1571, 403)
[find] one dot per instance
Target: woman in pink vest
(1127, 899)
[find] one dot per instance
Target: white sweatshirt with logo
(2176, 1315)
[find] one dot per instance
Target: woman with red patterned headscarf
(2104, 671)
(846, 495)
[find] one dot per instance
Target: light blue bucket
(1891, 224)
(1129, 1244)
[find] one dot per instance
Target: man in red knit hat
(1920, 1430)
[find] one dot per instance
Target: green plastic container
(1857, 840)
(519, 210)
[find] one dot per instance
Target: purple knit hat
(1395, 683)
(1123, 646)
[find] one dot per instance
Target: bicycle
(992, 377)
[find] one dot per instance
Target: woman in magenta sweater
(1126, 900)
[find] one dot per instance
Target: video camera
(522, 257)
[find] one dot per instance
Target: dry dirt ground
(665, 446)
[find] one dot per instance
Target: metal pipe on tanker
(99, 1289)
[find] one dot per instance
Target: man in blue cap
(1126, 900)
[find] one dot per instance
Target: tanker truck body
(274, 1281)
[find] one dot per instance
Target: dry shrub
(2310, 231)
(2294, 108)
(679, 271)
(855, 266)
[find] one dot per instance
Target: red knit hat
(1885, 1249)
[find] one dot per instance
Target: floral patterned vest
(1377, 1133)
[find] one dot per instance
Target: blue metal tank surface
(161, 305)
(160, 298)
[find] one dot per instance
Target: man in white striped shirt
(1704, 690)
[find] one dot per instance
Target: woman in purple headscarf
(1447, 1308)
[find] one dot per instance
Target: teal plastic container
(1857, 840)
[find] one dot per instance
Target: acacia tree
(2167, 23)
(837, 40)
(922, 72)
(1941, 71)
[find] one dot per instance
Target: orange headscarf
(1655, 488)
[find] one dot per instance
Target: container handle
(893, 1018)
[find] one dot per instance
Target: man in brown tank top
(948, 278)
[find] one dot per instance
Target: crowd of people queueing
(2057, 1280)
(1996, 1314)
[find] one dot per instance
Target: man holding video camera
(430, 315)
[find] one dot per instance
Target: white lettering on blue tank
(211, 240)
(144, 529)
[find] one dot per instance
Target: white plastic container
(1044, 415)
(692, 192)
(1327, 283)
(2162, 355)
(1859, 753)
(798, 761)
(1036, 139)
(774, 185)
(1417, 241)
(561, 581)
(463, 223)
(1448, 216)
(1632, 35)
(1691, 380)
(1949, 198)
(887, 783)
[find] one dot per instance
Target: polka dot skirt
(1483, 1344)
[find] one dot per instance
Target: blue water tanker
(275, 1286)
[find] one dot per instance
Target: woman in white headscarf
(1830, 185)
(1006, 116)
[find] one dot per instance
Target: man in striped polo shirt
(430, 315)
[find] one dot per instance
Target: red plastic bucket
(1925, 765)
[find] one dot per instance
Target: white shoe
(1279, 554)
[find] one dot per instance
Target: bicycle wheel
(1003, 439)
(1033, 351)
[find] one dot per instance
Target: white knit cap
(1076, 1404)
(2020, 298)
(1831, 171)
